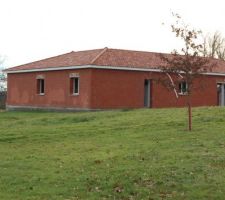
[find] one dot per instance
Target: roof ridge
(99, 55)
(139, 51)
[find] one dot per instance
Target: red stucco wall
(102, 89)
(22, 89)
(125, 89)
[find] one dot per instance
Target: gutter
(80, 67)
(98, 67)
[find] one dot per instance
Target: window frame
(73, 86)
(40, 86)
(180, 87)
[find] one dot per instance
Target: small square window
(41, 86)
(183, 87)
(74, 85)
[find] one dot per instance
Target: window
(74, 85)
(41, 86)
(183, 87)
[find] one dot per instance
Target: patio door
(221, 94)
(147, 93)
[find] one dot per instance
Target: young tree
(182, 68)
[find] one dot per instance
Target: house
(104, 79)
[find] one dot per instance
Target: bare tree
(214, 46)
(182, 68)
(3, 78)
(2, 82)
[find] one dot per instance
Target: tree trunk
(189, 117)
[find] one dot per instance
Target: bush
(3, 95)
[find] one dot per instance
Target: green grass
(136, 154)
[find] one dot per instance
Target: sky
(35, 29)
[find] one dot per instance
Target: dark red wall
(102, 89)
(125, 89)
(22, 89)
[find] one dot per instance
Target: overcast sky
(36, 29)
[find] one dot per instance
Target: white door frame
(147, 99)
(222, 97)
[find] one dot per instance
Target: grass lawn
(137, 154)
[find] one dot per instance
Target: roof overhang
(154, 69)
(79, 67)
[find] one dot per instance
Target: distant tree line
(214, 46)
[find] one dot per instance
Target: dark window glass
(74, 85)
(40, 86)
(183, 87)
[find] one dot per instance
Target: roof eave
(79, 67)
(143, 69)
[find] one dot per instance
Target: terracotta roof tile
(106, 57)
(64, 60)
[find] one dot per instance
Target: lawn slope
(137, 154)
